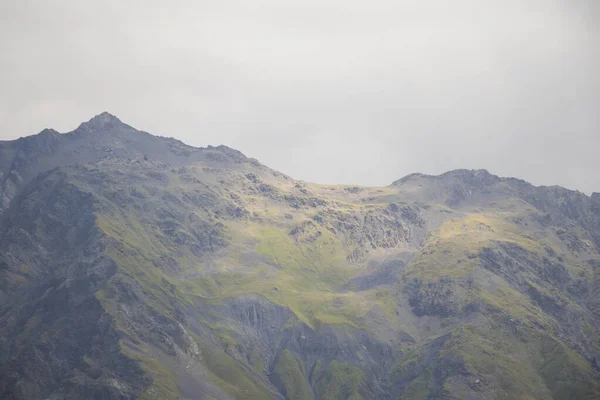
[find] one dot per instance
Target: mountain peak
(469, 175)
(102, 121)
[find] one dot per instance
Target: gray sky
(327, 91)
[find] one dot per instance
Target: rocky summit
(135, 266)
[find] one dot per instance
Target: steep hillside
(134, 266)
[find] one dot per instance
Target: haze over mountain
(136, 266)
(329, 91)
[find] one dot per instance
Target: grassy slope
(290, 371)
(340, 381)
(309, 276)
(513, 351)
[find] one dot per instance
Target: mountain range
(136, 266)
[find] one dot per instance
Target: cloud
(328, 91)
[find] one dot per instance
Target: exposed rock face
(53, 262)
(134, 266)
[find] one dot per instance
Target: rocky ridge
(135, 266)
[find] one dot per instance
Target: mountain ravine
(135, 266)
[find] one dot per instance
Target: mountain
(135, 266)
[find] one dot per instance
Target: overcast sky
(327, 91)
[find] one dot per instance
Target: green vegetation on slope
(306, 273)
(290, 371)
(340, 381)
